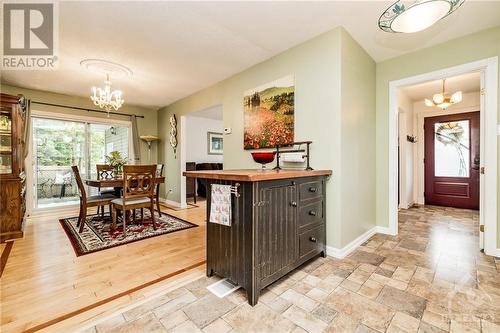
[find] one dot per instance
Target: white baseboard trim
(346, 250)
(383, 230)
(495, 253)
(406, 206)
(173, 203)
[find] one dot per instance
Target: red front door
(452, 160)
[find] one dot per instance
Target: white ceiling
(469, 82)
(178, 48)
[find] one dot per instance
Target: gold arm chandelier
(444, 100)
(106, 98)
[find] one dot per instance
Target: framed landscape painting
(269, 114)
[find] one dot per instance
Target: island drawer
(310, 214)
(312, 241)
(310, 190)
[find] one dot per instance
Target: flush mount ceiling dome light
(417, 16)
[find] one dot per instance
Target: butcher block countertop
(255, 175)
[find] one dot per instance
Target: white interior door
(481, 154)
(402, 162)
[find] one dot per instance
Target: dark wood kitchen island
(278, 223)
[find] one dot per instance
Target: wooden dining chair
(87, 202)
(138, 192)
(105, 171)
(159, 173)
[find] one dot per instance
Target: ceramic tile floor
(430, 278)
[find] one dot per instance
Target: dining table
(117, 184)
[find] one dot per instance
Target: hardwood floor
(44, 282)
(5, 251)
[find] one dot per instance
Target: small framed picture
(215, 143)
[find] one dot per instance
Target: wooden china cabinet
(12, 175)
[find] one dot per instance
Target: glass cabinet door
(5, 140)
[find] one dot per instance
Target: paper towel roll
(293, 157)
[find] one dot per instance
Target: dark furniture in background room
(191, 182)
(12, 175)
(278, 223)
(202, 187)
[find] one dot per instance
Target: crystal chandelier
(444, 100)
(105, 98)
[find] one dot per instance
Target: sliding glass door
(103, 140)
(60, 144)
(57, 145)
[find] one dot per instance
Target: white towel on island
(220, 204)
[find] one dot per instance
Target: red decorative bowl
(263, 157)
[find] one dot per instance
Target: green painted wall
(316, 66)
(357, 144)
(146, 125)
(470, 48)
(319, 115)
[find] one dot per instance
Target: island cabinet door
(276, 230)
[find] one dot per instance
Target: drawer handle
(293, 203)
(312, 213)
(312, 189)
(313, 239)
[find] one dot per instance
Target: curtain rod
(85, 109)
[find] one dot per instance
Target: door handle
(313, 239)
(312, 189)
(476, 162)
(293, 203)
(312, 213)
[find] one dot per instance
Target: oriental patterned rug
(97, 234)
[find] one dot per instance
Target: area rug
(97, 234)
